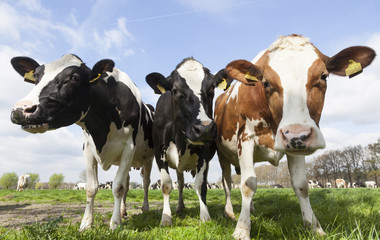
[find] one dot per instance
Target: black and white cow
(104, 101)
(183, 129)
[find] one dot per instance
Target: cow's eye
(75, 77)
(266, 84)
(177, 94)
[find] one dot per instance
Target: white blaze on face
(50, 72)
(192, 71)
(291, 60)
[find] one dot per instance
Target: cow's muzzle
(203, 132)
(22, 114)
(299, 139)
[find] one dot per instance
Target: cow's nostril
(303, 137)
(31, 109)
(197, 129)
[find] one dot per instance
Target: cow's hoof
(84, 226)
(205, 217)
(114, 224)
(145, 208)
(319, 231)
(166, 220)
(241, 234)
(179, 209)
(230, 215)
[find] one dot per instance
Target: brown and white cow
(274, 109)
(340, 183)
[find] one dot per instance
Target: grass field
(343, 214)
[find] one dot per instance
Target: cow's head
(192, 91)
(60, 96)
(294, 75)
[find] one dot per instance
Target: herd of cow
(272, 110)
(340, 183)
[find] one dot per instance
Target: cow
(370, 184)
(108, 185)
(314, 184)
(358, 185)
(23, 182)
(328, 185)
(156, 185)
(183, 129)
(274, 110)
(340, 183)
(80, 186)
(277, 185)
(106, 104)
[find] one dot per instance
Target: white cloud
(34, 6)
(117, 37)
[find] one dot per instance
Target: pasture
(56, 214)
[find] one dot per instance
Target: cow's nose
(205, 130)
(295, 136)
(22, 110)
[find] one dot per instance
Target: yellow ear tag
(353, 68)
(162, 90)
(28, 77)
(94, 79)
(222, 85)
(251, 77)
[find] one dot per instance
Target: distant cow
(23, 182)
(358, 185)
(314, 184)
(80, 186)
(104, 101)
(277, 186)
(370, 184)
(274, 110)
(108, 185)
(156, 185)
(328, 185)
(183, 129)
(340, 183)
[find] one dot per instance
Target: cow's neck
(99, 116)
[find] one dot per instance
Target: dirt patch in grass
(15, 215)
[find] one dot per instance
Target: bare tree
(372, 162)
(352, 158)
(83, 176)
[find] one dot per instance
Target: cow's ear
(101, 67)
(244, 71)
(350, 61)
(158, 82)
(25, 66)
(222, 80)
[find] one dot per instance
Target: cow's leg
(123, 207)
(166, 187)
(119, 184)
(147, 167)
(297, 172)
(248, 186)
(181, 183)
(201, 188)
(226, 181)
(91, 189)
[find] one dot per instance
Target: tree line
(353, 164)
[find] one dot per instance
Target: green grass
(343, 214)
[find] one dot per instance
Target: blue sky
(153, 36)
